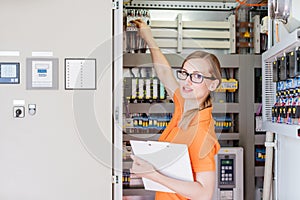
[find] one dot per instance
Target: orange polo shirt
(198, 136)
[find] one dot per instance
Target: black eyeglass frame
(191, 74)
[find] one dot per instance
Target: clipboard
(168, 158)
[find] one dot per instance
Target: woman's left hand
(142, 168)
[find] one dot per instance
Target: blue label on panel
(42, 71)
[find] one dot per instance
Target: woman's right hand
(144, 30)
(142, 168)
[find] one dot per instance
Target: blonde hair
(215, 71)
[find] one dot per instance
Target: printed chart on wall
(80, 74)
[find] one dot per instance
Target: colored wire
(131, 72)
(276, 32)
(244, 3)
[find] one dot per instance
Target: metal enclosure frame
(286, 136)
(118, 100)
(269, 87)
(246, 107)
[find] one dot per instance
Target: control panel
(230, 181)
(226, 170)
(286, 74)
(9, 73)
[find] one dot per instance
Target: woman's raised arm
(161, 65)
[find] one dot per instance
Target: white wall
(64, 151)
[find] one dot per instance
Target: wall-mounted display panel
(42, 73)
(9, 73)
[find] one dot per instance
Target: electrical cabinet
(144, 113)
(70, 135)
(280, 112)
(55, 143)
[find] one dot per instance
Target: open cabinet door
(118, 100)
(62, 150)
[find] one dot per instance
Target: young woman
(192, 121)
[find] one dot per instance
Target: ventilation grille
(268, 91)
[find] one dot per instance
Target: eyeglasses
(195, 76)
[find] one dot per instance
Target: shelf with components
(259, 133)
(260, 152)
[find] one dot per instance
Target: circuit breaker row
(143, 90)
(157, 122)
(286, 71)
(147, 123)
(133, 42)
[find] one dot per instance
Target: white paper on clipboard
(169, 159)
